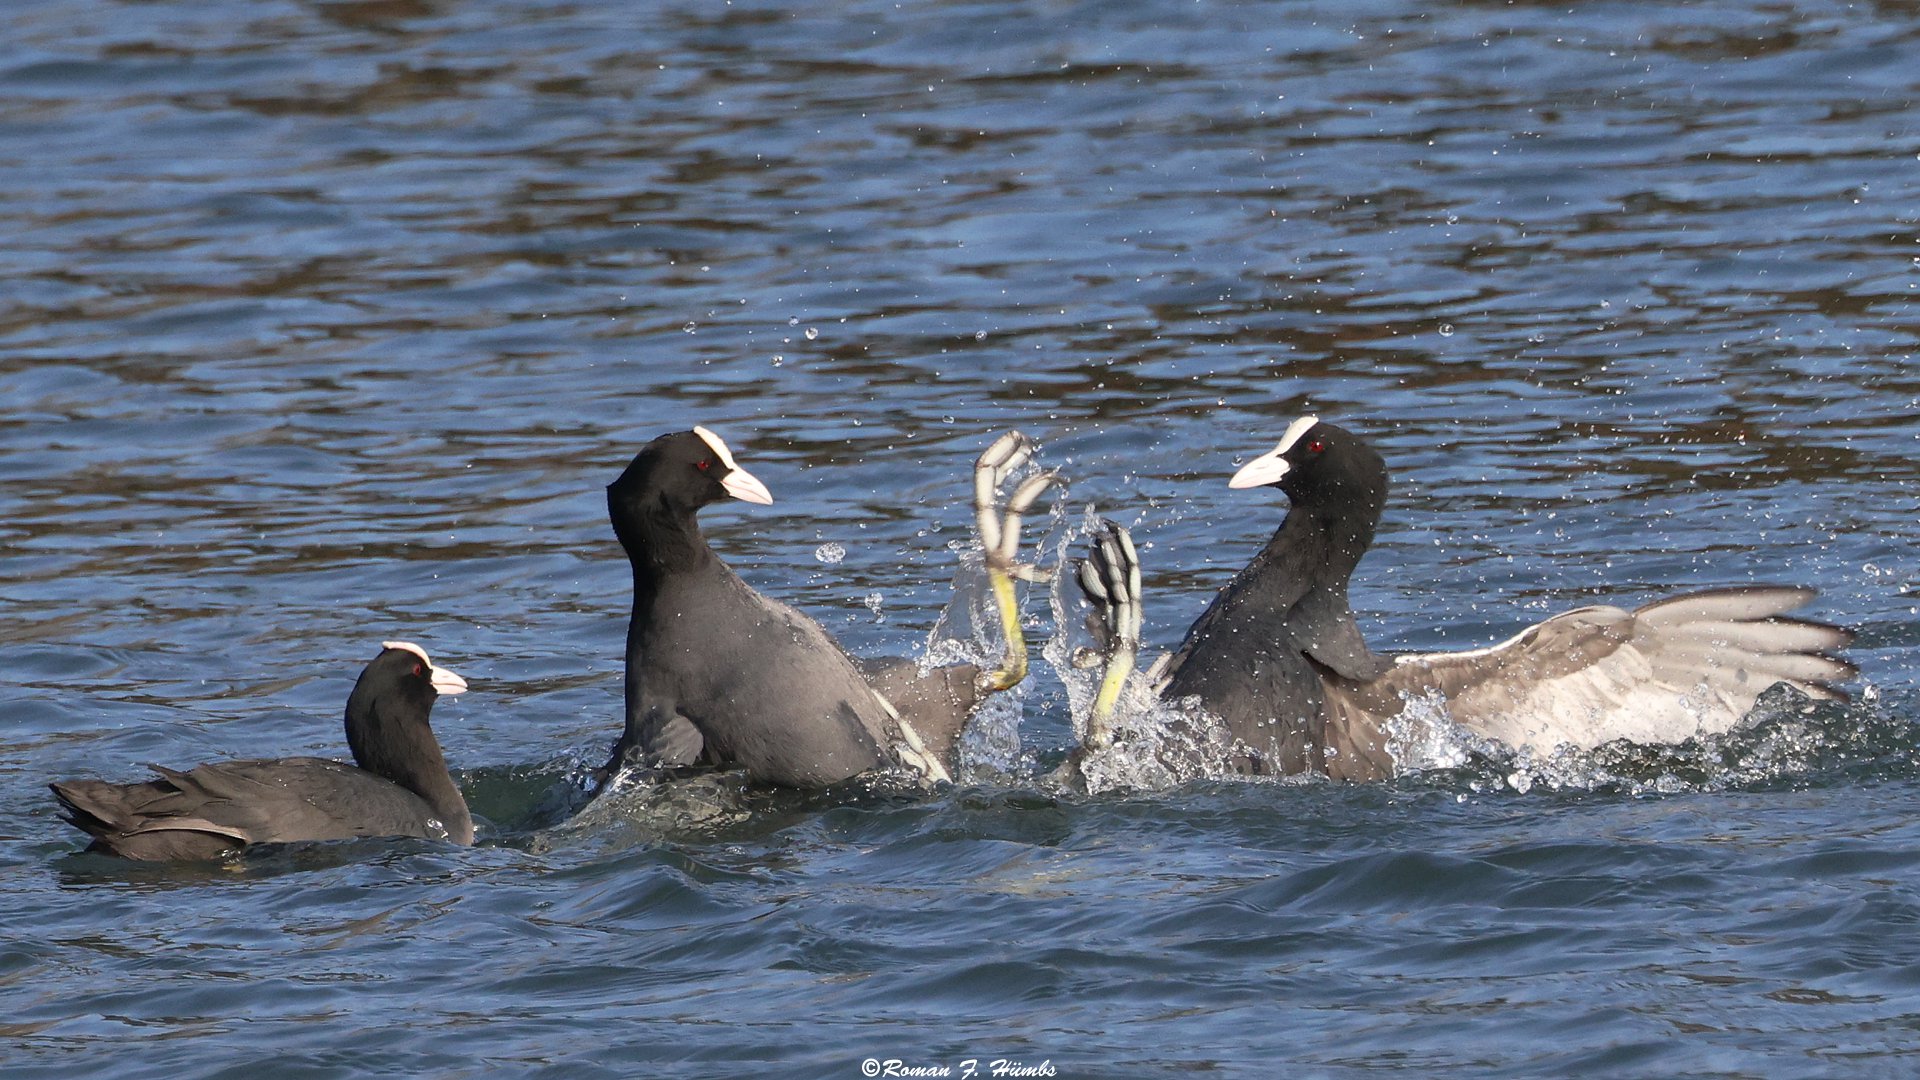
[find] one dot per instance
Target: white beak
(1266, 469)
(447, 683)
(738, 482)
(1270, 467)
(746, 487)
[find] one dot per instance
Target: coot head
(685, 471)
(1317, 463)
(395, 692)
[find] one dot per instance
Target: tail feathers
(143, 821)
(96, 807)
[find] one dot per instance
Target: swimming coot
(400, 786)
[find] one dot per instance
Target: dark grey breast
(718, 674)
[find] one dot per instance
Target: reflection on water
(326, 323)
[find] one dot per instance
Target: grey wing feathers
(292, 799)
(936, 704)
(1737, 637)
(245, 802)
(1670, 670)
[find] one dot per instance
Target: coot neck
(1320, 544)
(661, 541)
(1327, 536)
(391, 739)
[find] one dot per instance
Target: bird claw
(1109, 577)
(999, 523)
(999, 527)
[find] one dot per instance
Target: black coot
(718, 674)
(1278, 657)
(400, 788)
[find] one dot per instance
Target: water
(324, 323)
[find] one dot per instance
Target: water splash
(639, 808)
(1423, 737)
(1152, 744)
(1786, 738)
(991, 750)
(1156, 744)
(968, 632)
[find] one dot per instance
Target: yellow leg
(1013, 666)
(999, 530)
(1099, 725)
(1110, 580)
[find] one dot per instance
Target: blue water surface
(323, 323)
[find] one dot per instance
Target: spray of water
(968, 632)
(1157, 744)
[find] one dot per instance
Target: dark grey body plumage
(719, 674)
(399, 787)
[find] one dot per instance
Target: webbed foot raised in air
(1109, 577)
(999, 527)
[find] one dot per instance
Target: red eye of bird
(703, 466)
(1316, 446)
(418, 670)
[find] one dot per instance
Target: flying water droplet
(830, 553)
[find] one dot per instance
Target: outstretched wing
(1673, 669)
